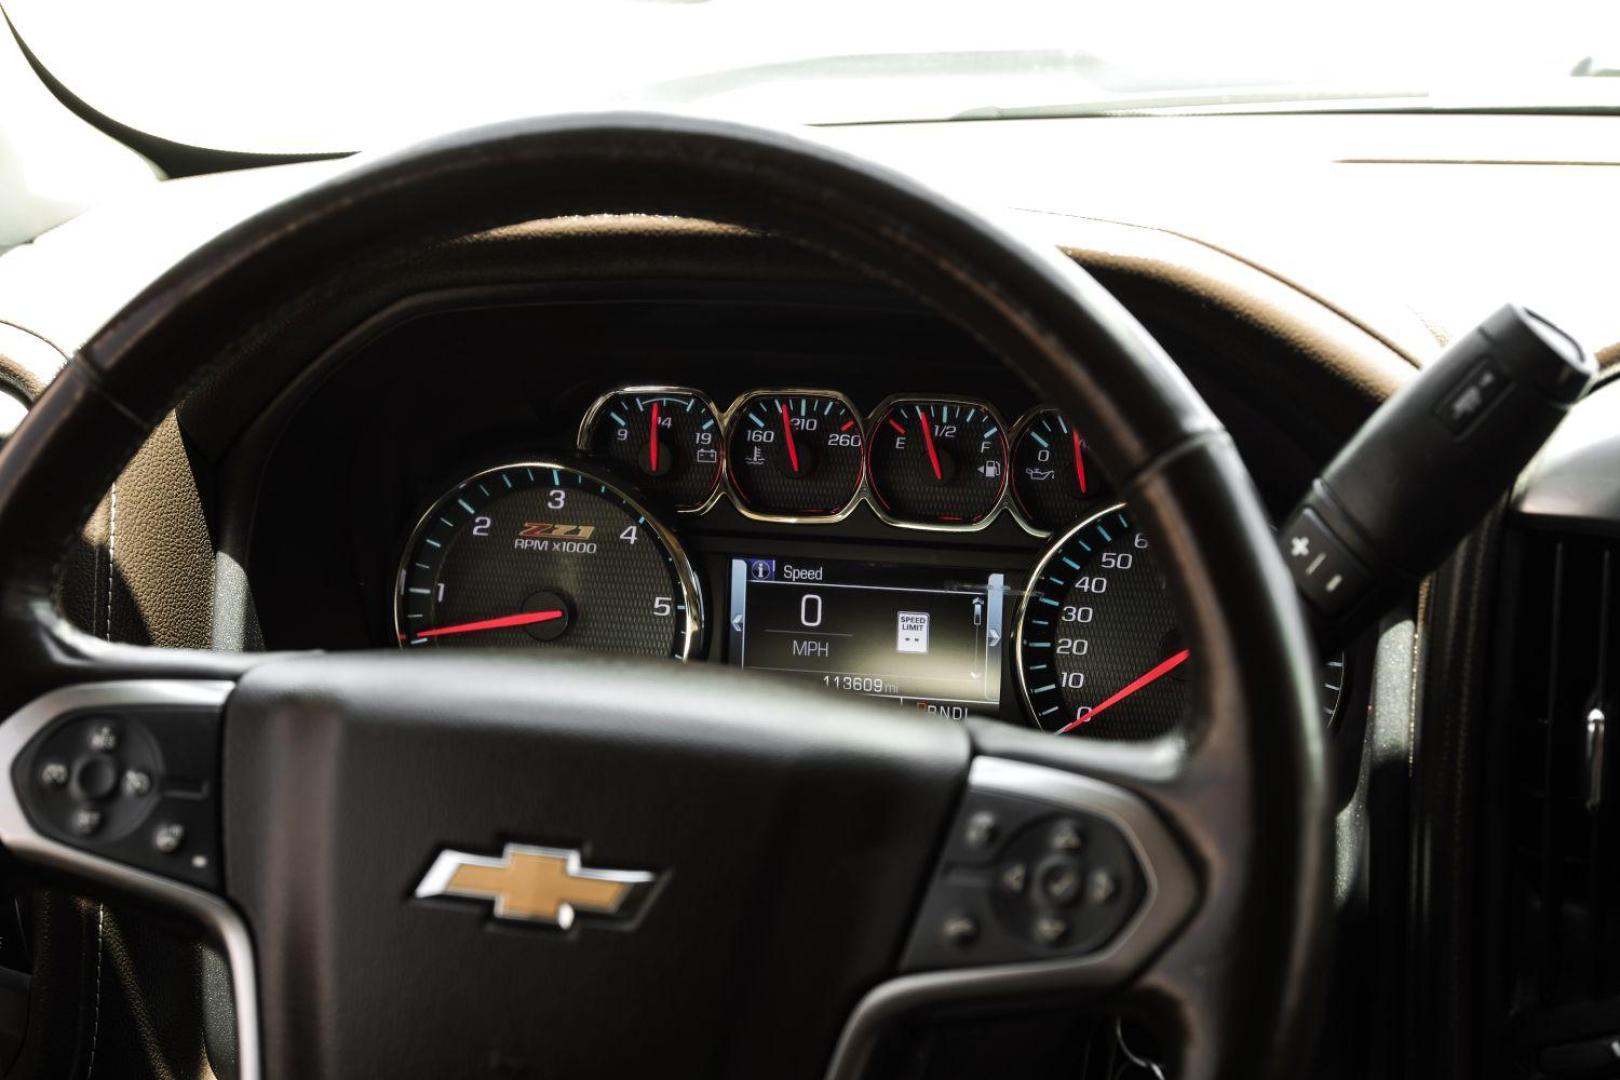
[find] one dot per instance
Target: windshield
(325, 75)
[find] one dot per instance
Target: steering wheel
(767, 881)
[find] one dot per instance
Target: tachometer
(794, 455)
(540, 553)
(937, 463)
(667, 437)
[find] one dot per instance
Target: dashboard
(849, 493)
(312, 484)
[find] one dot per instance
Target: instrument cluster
(565, 551)
(810, 456)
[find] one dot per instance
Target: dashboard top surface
(1390, 235)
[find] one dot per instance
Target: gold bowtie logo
(538, 884)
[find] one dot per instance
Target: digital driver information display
(925, 637)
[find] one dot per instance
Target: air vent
(1562, 719)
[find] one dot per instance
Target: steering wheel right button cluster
(1070, 871)
(1052, 883)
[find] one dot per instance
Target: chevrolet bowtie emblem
(538, 884)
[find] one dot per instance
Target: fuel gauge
(937, 463)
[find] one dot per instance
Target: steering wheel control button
(86, 821)
(168, 838)
(135, 787)
(96, 777)
(1060, 881)
(1050, 930)
(1036, 881)
(1102, 888)
(1066, 837)
(960, 930)
(980, 831)
(103, 738)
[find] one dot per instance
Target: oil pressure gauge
(1056, 480)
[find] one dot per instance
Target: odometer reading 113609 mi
(537, 554)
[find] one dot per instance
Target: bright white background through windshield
(301, 75)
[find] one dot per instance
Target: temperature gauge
(794, 455)
(1056, 481)
(938, 463)
(668, 438)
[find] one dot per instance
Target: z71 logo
(536, 530)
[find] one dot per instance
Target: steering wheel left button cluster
(132, 784)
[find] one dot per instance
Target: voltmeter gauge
(667, 438)
(937, 463)
(794, 455)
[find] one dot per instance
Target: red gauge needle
(787, 429)
(928, 441)
(652, 445)
(525, 618)
(1079, 462)
(1159, 670)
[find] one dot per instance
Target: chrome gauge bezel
(930, 526)
(1040, 571)
(1035, 575)
(1018, 430)
(691, 591)
(737, 501)
(1017, 433)
(724, 487)
(582, 440)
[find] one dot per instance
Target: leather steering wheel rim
(1243, 788)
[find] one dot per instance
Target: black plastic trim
(175, 159)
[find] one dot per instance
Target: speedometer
(540, 553)
(1098, 646)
